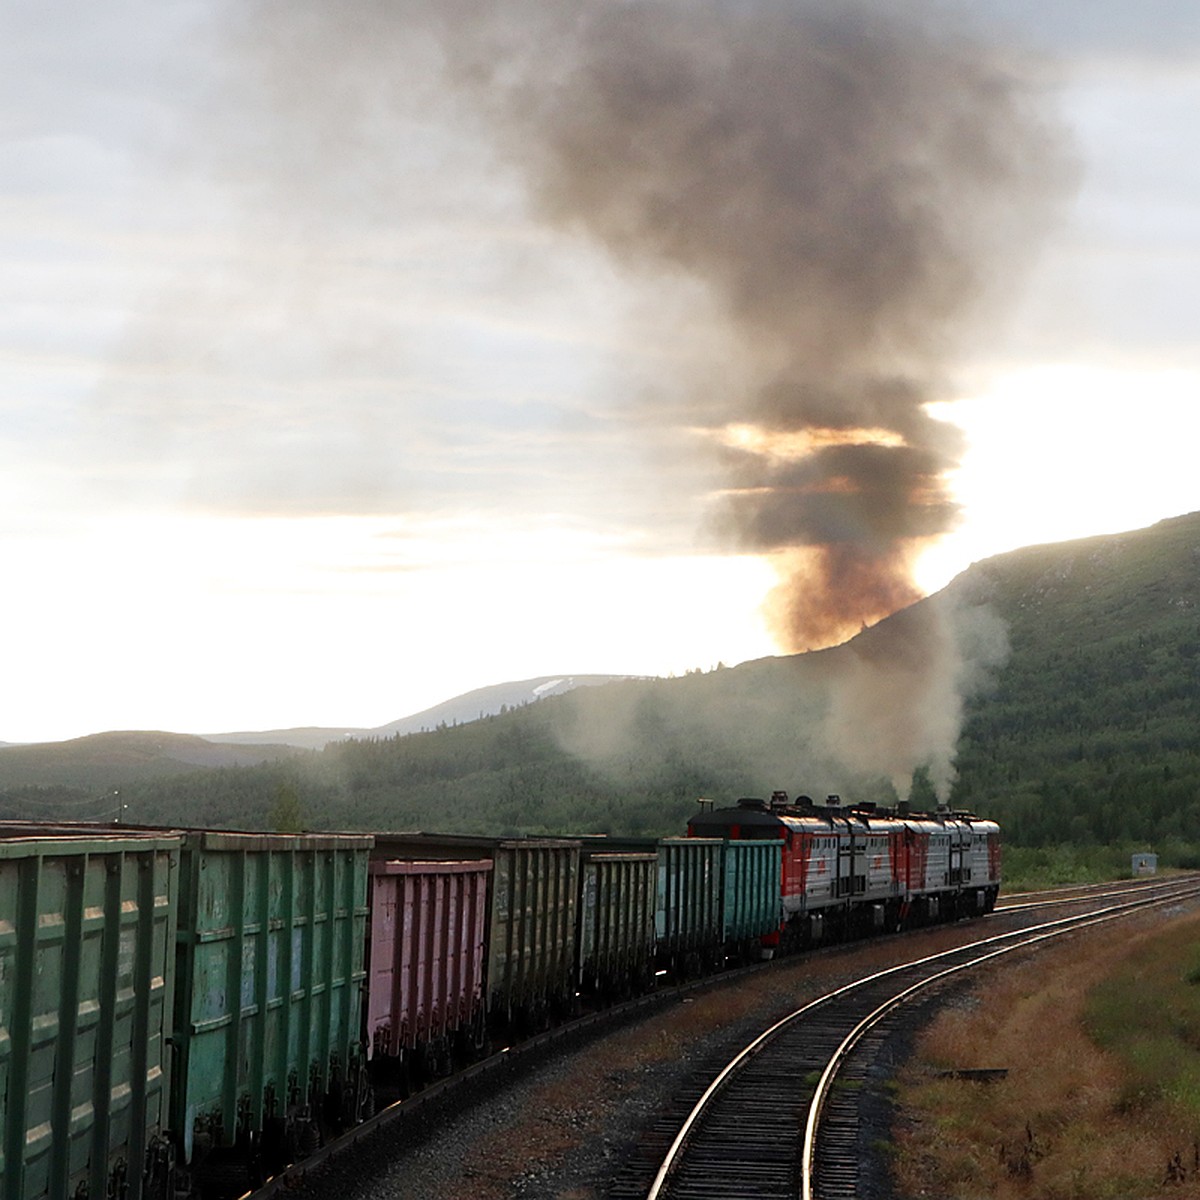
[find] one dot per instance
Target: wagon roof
(384, 841)
(237, 839)
(594, 855)
(439, 866)
(18, 839)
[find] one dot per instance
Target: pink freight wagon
(425, 963)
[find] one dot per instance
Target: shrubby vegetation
(1092, 736)
(1098, 1035)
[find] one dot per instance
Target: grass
(1035, 868)
(1156, 1036)
(1101, 1039)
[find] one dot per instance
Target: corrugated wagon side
(752, 907)
(87, 931)
(532, 922)
(425, 963)
(689, 920)
(616, 923)
(271, 949)
(688, 915)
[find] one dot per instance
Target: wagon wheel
(310, 1137)
(223, 1179)
(302, 1138)
(366, 1105)
(274, 1145)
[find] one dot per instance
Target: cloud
(1155, 32)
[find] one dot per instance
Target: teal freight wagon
(87, 957)
(268, 1021)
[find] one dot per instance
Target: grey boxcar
(616, 922)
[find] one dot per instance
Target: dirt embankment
(1101, 1040)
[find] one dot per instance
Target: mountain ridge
(469, 706)
(101, 758)
(1090, 730)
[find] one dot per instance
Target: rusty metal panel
(616, 920)
(531, 955)
(271, 949)
(87, 933)
(425, 952)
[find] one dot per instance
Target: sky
(310, 416)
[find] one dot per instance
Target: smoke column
(844, 184)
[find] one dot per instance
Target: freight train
(183, 1012)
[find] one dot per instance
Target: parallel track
(772, 1123)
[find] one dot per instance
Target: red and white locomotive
(849, 871)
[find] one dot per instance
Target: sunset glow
(321, 405)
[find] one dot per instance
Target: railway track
(781, 1118)
(1076, 893)
(437, 1104)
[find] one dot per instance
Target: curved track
(773, 1123)
(634, 1180)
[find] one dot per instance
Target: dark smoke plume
(845, 187)
(846, 182)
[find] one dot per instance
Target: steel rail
(825, 1083)
(1063, 924)
(1084, 890)
(1086, 897)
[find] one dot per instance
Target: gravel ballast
(563, 1125)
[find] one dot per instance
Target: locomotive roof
(803, 816)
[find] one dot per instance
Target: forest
(1088, 735)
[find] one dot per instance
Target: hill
(1093, 732)
(1088, 732)
(470, 706)
(103, 761)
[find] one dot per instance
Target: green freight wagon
(268, 1023)
(616, 923)
(752, 908)
(532, 922)
(688, 917)
(87, 935)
